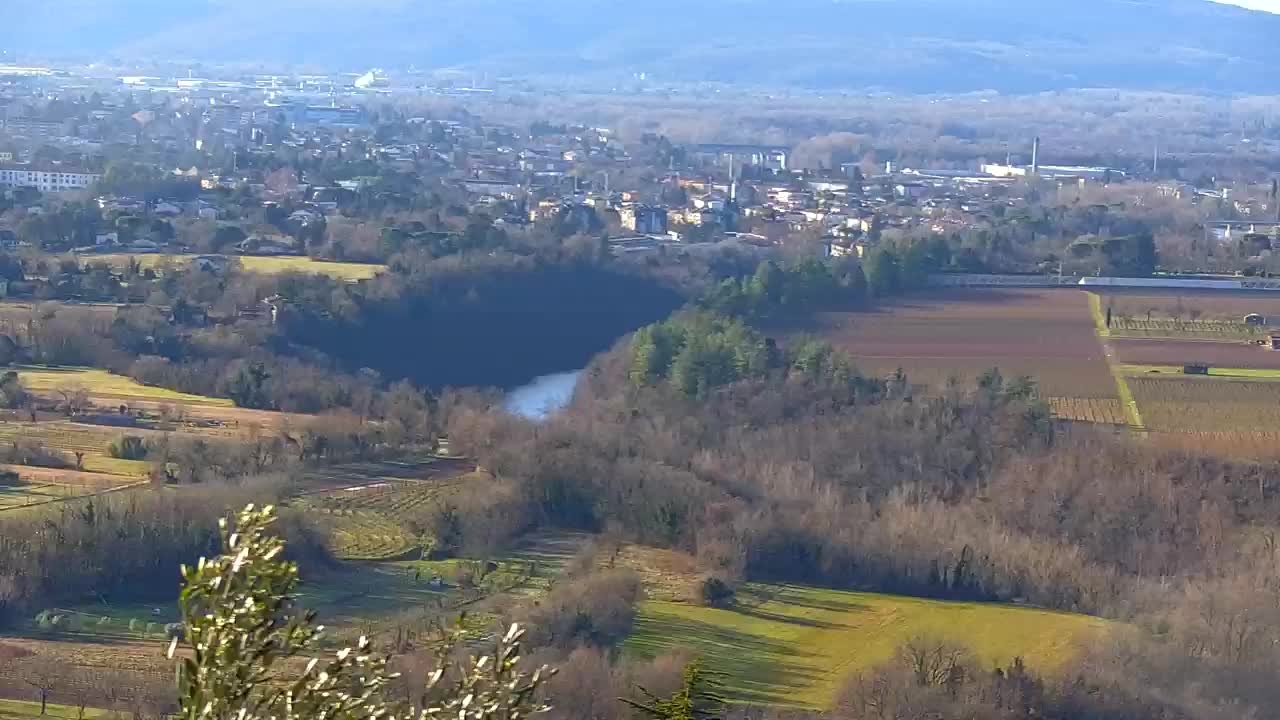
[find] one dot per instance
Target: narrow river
(543, 395)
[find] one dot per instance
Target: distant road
(1102, 283)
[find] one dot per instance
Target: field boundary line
(73, 498)
(1127, 402)
(1216, 374)
(1099, 320)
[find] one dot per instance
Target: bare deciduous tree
(43, 673)
(75, 399)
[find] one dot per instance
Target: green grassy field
(351, 598)
(19, 710)
(795, 645)
(25, 495)
(37, 494)
(106, 623)
(87, 466)
(104, 384)
(265, 265)
(783, 645)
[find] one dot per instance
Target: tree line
(697, 352)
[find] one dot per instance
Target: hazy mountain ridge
(909, 45)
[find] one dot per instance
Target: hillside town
(335, 168)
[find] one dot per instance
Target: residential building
(644, 219)
(321, 116)
(268, 245)
(709, 202)
(491, 187)
(911, 190)
(693, 216)
(634, 245)
(46, 179)
(838, 248)
(30, 127)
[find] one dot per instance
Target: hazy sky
(1268, 5)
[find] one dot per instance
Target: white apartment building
(52, 179)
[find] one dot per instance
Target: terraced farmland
(1206, 405)
(370, 521)
(1107, 411)
(1175, 328)
(98, 472)
(137, 656)
(394, 499)
(1190, 306)
(1153, 335)
(41, 486)
(28, 494)
(1258, 446)
(367, 536)
(69, 438)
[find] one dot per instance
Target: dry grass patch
(102, 385)
(350, 272)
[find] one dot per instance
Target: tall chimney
(733, 182)
(1035, 156)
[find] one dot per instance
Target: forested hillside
(498, 326)
(904, 45)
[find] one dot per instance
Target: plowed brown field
(1045, 333)
(1203, 305)
(1142, 351)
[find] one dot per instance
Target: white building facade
(46, 179)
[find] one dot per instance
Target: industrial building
(1052, 172)
(773, 157)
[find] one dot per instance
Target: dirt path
(1132, 414)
